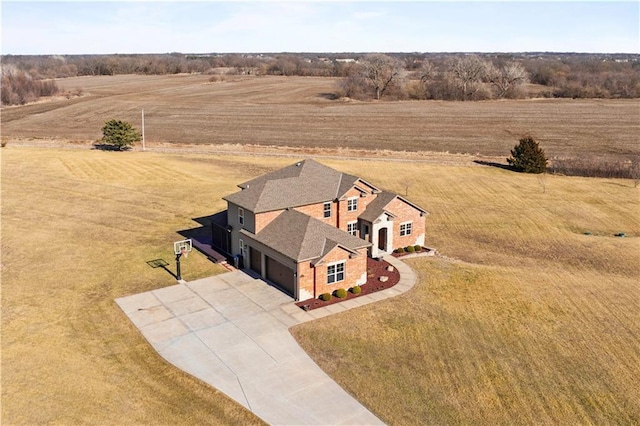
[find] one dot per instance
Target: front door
(382, 239)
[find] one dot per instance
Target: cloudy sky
(86, 27)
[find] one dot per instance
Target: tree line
(446, 76)
(19, 87)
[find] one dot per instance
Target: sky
(108, 27)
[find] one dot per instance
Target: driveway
(231, 331)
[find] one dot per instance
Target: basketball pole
(178, 275)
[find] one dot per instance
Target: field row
(297, 112)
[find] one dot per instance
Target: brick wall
(305, 281)
(263, 219)
(355, 271)
(346, 216)
(316, 211)
(406, 213)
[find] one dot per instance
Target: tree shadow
(107, 147)
(494, 164)
(161, 263)
(328, 95)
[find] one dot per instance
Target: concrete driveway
(231, 331)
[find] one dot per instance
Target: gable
(401, 206)
(334, 253)
(391, 204)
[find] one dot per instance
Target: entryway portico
(381, 234)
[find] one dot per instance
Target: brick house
(308, 228)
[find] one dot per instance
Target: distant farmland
(299, 112)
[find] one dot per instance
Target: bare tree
(468, 73)
(426, 71)
(634, 170)
(381, 71)
(507, 78)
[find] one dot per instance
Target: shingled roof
(305, 182)
(379, 205)
(303, 238)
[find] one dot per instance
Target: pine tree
(120, 134)
(528, 157)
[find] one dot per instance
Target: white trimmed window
(352, 227)
(335, 272)
(352, 204)
(241, 215)
(242, 247)
(405, 229)
(327, 209)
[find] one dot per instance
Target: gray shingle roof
(305, 182)
(301, 237)
(378, 206)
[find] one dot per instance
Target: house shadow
(493, 164)
(202, 237)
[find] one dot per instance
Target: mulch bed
(423, 251)
(375, 269)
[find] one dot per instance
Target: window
(327, 209)
(351, 227)
(335, 273)
(242, 247)
(352, 204)
(405, 229)
(241, 215)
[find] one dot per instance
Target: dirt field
(297, 112)
(537, 322)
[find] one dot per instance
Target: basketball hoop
(181, 248)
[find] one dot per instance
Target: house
(309, 229)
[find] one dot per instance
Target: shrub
(120, 134)
(341, 293)
(400, 250)
(528, 157)
(410, 249)
(417, 247)
(356, 289)
(325, 296)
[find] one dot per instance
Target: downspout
(296, 282)
(314, 282)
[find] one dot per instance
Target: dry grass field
(298, 112)
(534, 322)
(77, 231)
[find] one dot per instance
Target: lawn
(528, 321)
(77, 231)
(534, 322)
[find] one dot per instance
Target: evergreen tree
(528, 157)
(120, 134)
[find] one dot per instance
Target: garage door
(280, 275)
(255, 260)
